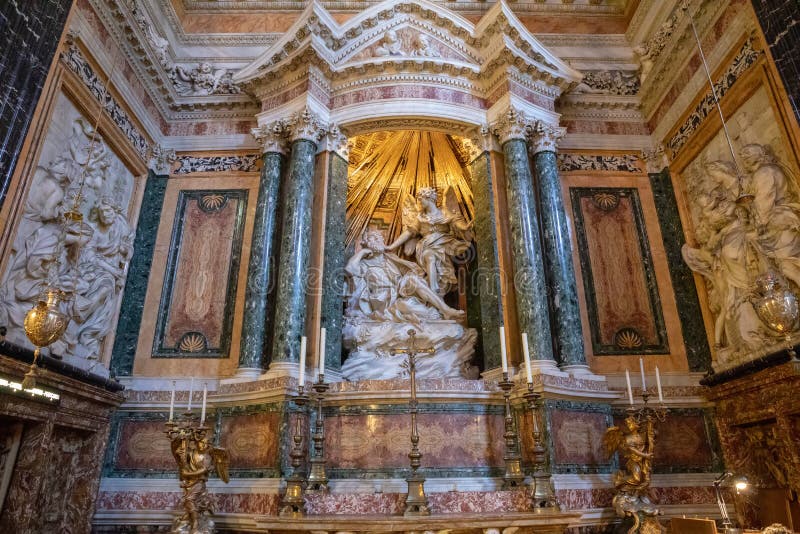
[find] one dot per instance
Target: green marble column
(559, 270)
(261, 268)
(485, 279)
(529, 279)
(132, 306)
(334, 261)
(297, 199)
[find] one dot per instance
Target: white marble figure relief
(87, 259)
(745, 225)
(390, 45)
(389, 295)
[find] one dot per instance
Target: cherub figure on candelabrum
(634, 441)
(388, 295)
(746, 225)
(196, 458)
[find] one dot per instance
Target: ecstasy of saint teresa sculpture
(388, 295)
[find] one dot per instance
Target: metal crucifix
(416, 501)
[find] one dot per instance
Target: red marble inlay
(438, 94)
(578, 437)
(251, 440)
(143, 445)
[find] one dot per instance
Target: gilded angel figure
(436, 234)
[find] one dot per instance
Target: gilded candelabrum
(317, 478)
(190, 443)
(635, 442)
(293, 502)
(513, 476)
(542, 492)
(416, 500)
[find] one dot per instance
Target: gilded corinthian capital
(511, 125)
(306, 125)
(272, 137)
(545, 137)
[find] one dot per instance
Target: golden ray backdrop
(385, 166)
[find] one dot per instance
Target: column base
(582, 371)
(547, 367)
(244, 374)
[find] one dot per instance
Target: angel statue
(437, 235)
(635, 444)
(196, 458)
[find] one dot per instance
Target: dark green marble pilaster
(261, 268)
(290, 299)
(529, 278)
(563, 293)
(486, 277)
(689, 312)
(130, 313)
(333, 270)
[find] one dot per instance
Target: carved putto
(389, 294)
(746, 225)
(87, 259)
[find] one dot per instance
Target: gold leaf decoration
(628, 339)
(192, 342)
(605, 201)
(212, 202)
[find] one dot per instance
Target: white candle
(191, 390)
(658, 385)
(503, 355)
(302, 377)
(322, 335)
(630, 391)
(527, 354)
(203, 410)
(641, 367)
(172, 402)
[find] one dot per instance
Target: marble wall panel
(196, 313)
(381, 441)
(578, 437)
(34, 27)
(141, 445)
(251, 440)
(779, 20)
(624, 308)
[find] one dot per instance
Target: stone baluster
(305, 131)
(261, 267)
(529, 277)
(559, 269)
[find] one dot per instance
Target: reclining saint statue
(388, 295)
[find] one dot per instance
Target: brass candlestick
(513, 476)
(416, 501)
(635, 442)
(542, 492)
(317, 478)
(191, 448)
(293, 502)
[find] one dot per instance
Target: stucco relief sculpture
(388, 295)
(86, 258)
(740, 236)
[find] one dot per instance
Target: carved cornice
(512, 125)
(337, 142)
(306, 125)
(544, 137)
(655, 159)
(161, 159)
(272, 137)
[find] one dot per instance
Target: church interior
(399, 266)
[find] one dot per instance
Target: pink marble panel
(143, 445)
(255, 503)
(578, 437)
(438, 94)
(251, 440)
(382, 441)
(683, 441)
